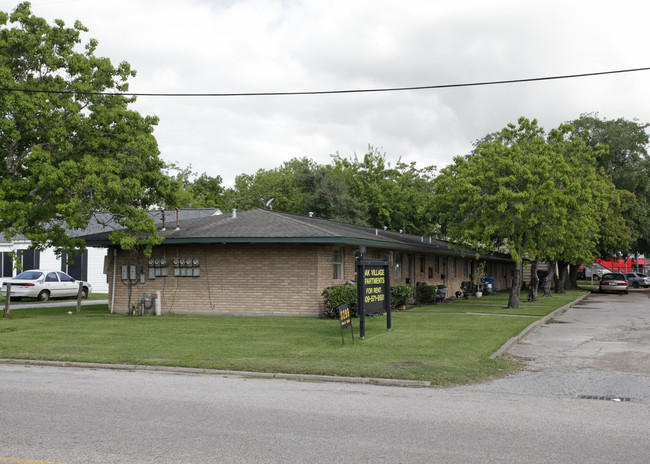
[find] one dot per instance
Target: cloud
(291, 45)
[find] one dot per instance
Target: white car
(45, 284)
(636, 279)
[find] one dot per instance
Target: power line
(334, 92)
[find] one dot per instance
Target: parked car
(613, 282)
(594, 271)
(45, 284)
(637, 280)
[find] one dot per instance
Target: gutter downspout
(114, 277)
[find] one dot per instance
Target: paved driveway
(608, 332)
(597, 349)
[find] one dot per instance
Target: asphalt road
(543, 414)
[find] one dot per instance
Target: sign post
(6, 312)
(373, 289)
(346, 321)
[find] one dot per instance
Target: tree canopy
(399, 197)
(533, 194)
(366, 191)
(625, 158)
(69, 143)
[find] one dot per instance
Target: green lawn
(446, 344)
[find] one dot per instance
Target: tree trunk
(513, 301)
(534, 282)
(548, 278)
(564, 276)
(572, 281)
(560, 280)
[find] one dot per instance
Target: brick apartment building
(264, 262)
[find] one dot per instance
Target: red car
(613, 282)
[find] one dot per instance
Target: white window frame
(338, 255)
(397, 257)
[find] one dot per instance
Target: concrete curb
(534, 326)
(225, 373)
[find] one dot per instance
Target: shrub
(337, 296)
(468, 287)
(425, 293)
(401, 294)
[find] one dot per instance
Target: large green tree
(399, 197)
(326, 194)
(536, 195)
(275, 188)
(367, 191)
(69, 143)
(194, 190)
(625, 158)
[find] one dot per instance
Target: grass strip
(440, 343)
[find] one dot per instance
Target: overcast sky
(243, 46)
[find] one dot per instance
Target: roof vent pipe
(385, 227)
(311, 214)
(376, 231)
(234, 213)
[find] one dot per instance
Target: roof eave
(351, 241)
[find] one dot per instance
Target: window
(465, 269)
(453, 267)
(423, 264)
(65, 277)
(31, 259)
(337, 264)
(76, 265)
(437, 264)
(398, 265)
(7, 265)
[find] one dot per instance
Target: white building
(88, 266)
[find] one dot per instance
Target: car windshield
(641, 275)
(29, 275)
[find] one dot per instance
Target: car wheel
(626, 292)
(44, 296)
(16, 298)
(635, 285)
(84, 293)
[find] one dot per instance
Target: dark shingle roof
(278, 227)
(103, 222)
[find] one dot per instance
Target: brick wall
(248, 279)
(268, 279)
